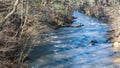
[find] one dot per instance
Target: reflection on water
(71, 47)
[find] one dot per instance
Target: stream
(70, 47)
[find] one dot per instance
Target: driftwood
(77, 26)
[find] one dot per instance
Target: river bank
(21, 22)
(108, 12)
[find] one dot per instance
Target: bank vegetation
(22, 21)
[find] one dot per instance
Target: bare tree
(9, 14)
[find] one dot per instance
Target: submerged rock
(93, 42)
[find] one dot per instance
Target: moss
(59, 6)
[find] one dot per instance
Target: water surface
(70, 47)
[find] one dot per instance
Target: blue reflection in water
(71, 47)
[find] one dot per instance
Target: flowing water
(70, 47)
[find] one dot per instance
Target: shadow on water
(71, 47)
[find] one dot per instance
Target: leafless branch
(9, 14)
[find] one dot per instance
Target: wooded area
(22, 21)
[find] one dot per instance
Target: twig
(9, 14)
